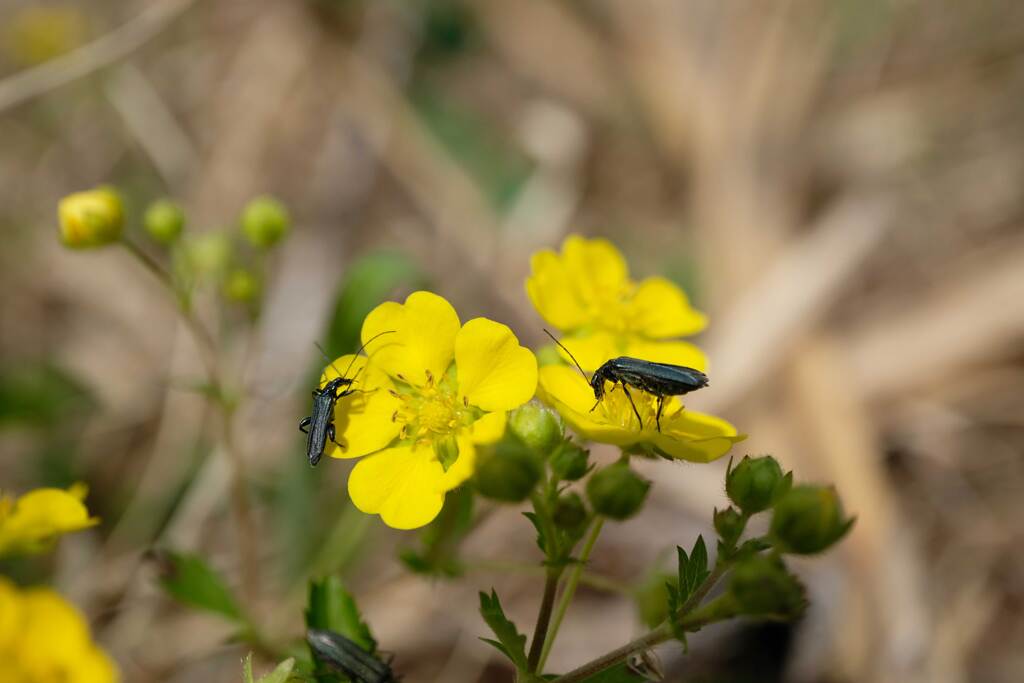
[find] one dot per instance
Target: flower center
(617, 410)
(431, 412)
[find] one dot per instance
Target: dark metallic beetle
(320, 425)
(658, 379)
(341, 654)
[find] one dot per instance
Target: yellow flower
(93, 218)
(429, 391)
(37, 34)
(32, 523)
(685, 434)
(44, 639)
(586, 293)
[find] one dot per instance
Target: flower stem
(240, 505)
(717, 610)
(543, 618)
(570, 588)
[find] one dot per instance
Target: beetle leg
(657, 417)
(596, 405)
(304, 425)
(635, 411)
(331, 434)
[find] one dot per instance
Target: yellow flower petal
(593, 350)
(552, 293)
(35, 520)
(660, 309)
(362, 420)
(672, 352)
(421, 338)
(596, 269)
(494, 371)
(402, 484)
(686, 435)
(694, 436)
(489, 428)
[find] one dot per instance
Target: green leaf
(190, 581)
(692, 570)
(40, 395)
(332, 608)
(278, 675)
(510, 641)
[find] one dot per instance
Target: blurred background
(840, 185)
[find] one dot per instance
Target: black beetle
(341, 654)
(320, 425)
(658, 379)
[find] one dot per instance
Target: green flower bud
(536, 426)
(617, 492)
(93, 218)
(508, 472)
(569, 461)
(808, 519)
(209, 254)
(756, 483)
(241, 285)
(762, 586)
(729, 524)
(570, 513)
(164, 221)
(265, 222)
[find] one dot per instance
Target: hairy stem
(716, 610)
(570, 588)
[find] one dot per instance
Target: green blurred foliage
(190, 581)
(40, 395)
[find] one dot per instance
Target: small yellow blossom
(33, 522)
(587, 294)
(37, 34)
(93, 218)
(685, 434)
(44, 639)
(428, 392)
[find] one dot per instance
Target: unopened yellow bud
(93, 218)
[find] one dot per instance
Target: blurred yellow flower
(431, 390)
(37, 34)
(33, 522)
(684, 435)
(93, 218)
(587, 294)
(44, 639)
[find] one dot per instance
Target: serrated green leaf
(542, 538)
(279, 675)
(692, 570)
(510, 642)
(190, 581)
(332, 608)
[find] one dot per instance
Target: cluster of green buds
(805, 519)
(96, 218)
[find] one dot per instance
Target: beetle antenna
(360, 350)
(570, 354)
(326, 357)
